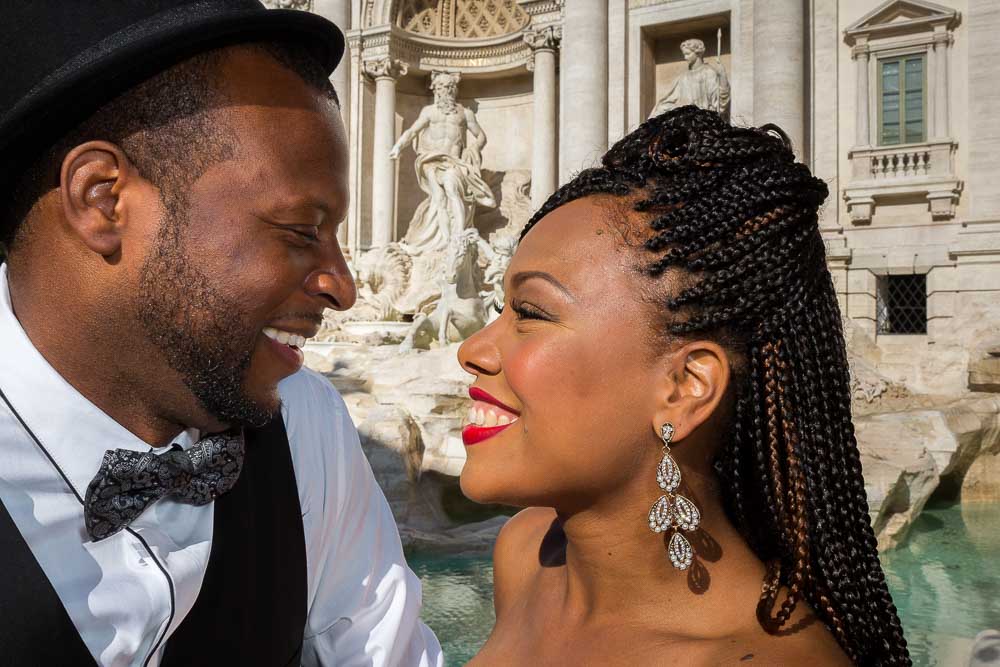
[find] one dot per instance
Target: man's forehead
(252, 76)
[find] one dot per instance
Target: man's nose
(333, 281)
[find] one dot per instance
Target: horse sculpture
(461, 304)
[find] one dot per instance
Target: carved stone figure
(703, 84)
(305, 5)
(447, 166)
(500, 250)
(382, 276)
(461, 304)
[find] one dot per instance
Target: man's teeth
(288, 338)
(487, 418)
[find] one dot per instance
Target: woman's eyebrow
(522, 276)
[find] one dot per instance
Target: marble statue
(447, 166)
(499, 252)
(382, 276)
(703, 84)
(461, 304)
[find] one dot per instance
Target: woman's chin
(488, 488)
(475, 489)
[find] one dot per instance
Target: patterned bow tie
(129, 482)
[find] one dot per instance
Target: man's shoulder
(324, 443)
(309, 390)
(315, 415)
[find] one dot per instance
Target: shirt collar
(73, 431)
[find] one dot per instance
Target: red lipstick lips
(472, 433)
(477, 394)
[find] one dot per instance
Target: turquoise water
(945, 581)
(458, 602)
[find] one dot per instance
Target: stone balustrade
(917, 161)
(900, 163)
(922, 170)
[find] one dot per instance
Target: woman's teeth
(480, 417)
(291, 339)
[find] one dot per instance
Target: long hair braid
(733, 213)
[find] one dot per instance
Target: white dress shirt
(126, 594)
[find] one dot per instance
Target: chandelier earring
(673, 511)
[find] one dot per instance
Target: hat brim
(72, 93)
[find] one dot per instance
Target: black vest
(252, 606)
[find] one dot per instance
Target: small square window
(901, 304)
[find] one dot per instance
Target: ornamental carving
(546, 38)
(385, 68)
(461, 19)
(304, 5)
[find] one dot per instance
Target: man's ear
(91, 180)
(694, 384)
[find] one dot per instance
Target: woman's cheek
(540, 372)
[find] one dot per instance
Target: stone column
(779, 67)
(942, 40)
(584, 78)
(339, 13)
(543, 142)
(861, 103)
(355, 126)
(384, 71)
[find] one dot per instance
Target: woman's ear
(91, 179)
(694, 384)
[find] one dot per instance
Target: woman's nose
(479, 354)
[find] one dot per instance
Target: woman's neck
(617, 568)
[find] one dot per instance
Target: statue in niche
(703, 84)
(447, 166)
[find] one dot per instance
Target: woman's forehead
(580, 244)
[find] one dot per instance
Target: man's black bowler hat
(64, 59)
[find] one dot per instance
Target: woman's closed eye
(528, 311)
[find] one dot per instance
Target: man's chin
(252, 404)
(263, 403)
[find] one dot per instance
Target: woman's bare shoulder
(516, 554)
(805, 643)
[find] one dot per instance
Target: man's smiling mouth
(288, 338)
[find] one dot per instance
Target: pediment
(900, 16)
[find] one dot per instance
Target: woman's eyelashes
(523, 310)
(527, 311)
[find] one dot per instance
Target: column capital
(943, 39)
(859, 50)
(544, 38)
(385, 68)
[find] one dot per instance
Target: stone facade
(929, 208)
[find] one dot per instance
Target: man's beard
(446, 104)
(202, 334)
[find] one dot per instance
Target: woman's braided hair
(733, 213)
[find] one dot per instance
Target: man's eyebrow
(522, 276)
